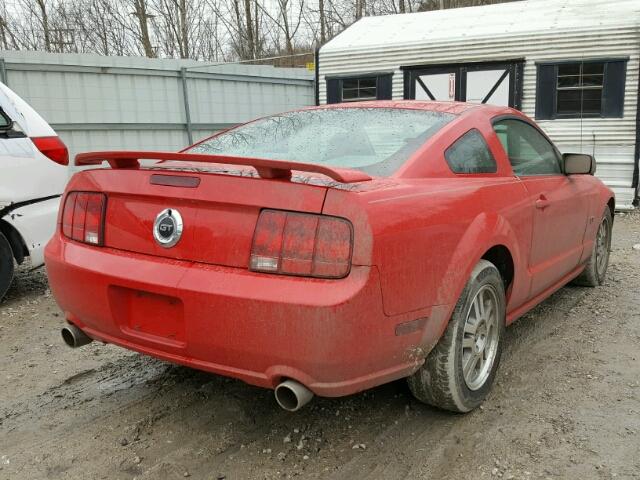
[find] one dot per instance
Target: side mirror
(578, 164)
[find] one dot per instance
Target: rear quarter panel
(426, 235)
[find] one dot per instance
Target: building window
(359, 88)
(580, 89)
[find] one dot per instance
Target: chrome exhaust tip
(292, 396)
(74, 337)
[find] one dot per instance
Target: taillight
(290, 243)
(83, 217)
(52, 148)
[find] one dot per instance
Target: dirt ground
(566, 404)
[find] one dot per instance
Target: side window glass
(5, 121)
(501, 132)
(529, 152)
(470, 154)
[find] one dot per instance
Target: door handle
(542, 202)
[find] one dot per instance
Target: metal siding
(589, 37)
(526, 19)
(115, 103)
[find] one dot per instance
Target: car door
(559, 202)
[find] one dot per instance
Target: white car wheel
(6, 265)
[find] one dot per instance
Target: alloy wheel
(480, 337)
(602, 248)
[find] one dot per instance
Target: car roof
(455, 108)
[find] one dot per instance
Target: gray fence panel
(116, 103)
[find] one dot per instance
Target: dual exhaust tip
(290, 395)
(74, 337)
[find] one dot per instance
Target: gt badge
(167, 229)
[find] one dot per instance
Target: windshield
(374, 140)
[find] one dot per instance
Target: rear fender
(486, 231)
(605, 198)
(35, 223)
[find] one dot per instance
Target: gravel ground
(566, 404)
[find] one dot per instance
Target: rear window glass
(470, 154)
(374, 140)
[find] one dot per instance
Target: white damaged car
(33, 174)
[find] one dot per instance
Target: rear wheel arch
(500, 256)
(611, 203)
(490, 237)
(595, 267)
(15, 240)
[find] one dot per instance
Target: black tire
(441, 382)
(595, 271)
(6, 265)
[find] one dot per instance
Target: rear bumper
(330, 335)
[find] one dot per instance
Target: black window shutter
(333, 90)
(384, 87)
(613, 91)
(546, 91)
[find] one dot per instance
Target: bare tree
(288, 30)
(44, 20)
(99, 25)
(217, 30)
(251, 44)
(8, 39)
(323, 21)
(243, 22)
(288, 20)
(142, 15)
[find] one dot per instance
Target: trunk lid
(219, 211)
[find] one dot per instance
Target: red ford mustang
(332, 249)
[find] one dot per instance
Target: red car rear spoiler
(266, 168)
